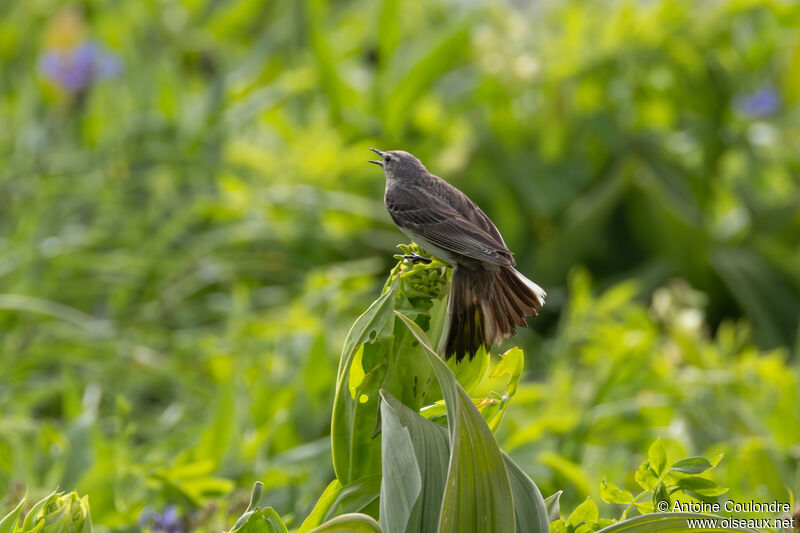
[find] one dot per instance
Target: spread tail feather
(486, 306)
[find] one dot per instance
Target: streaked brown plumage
(488, 297)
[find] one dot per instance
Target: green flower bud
(67, 513)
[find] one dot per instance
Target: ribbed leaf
(340, 499)
(402, 482)
(324, 503)
(670, 522)
(380, 353)
(352, 422)
(431, 448)
(478, 494)
(349, 523)
(530, 509)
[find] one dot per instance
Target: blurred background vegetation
(188, 228)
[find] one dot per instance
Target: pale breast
(439, 253)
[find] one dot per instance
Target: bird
(488, 297)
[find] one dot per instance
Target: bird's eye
(388, 159)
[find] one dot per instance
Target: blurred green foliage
(184, 245)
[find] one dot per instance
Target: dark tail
(486, 306)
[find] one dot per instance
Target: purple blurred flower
(760, 103)
(74, 70)
(167, 522)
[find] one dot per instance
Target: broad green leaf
(668, 522)
(349, 523)
(431, 447)
(402, 480)
(611, 493)
(436, 334)
(357, 373)
(355, 497)
(530, 510)
(325, 501)
(701, 486)
(691, 465)
(553, 506)
(585, 512)
(645, 476)
(657, 456)
(478, 494)
(274, 520)
(338, 499)
(381, 353)
(371, 325)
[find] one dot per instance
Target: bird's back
(463, 205)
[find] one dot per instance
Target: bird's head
(399, 165)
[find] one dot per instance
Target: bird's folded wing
(447, 229)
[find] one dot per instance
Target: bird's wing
(483, 221)
(444, 227)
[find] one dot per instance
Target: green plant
(662, 480)
(60, 512)
(433, 466)
(183, 246)
(664, 483)
(388, 357)
(418, 475)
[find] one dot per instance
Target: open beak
(377, 162)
